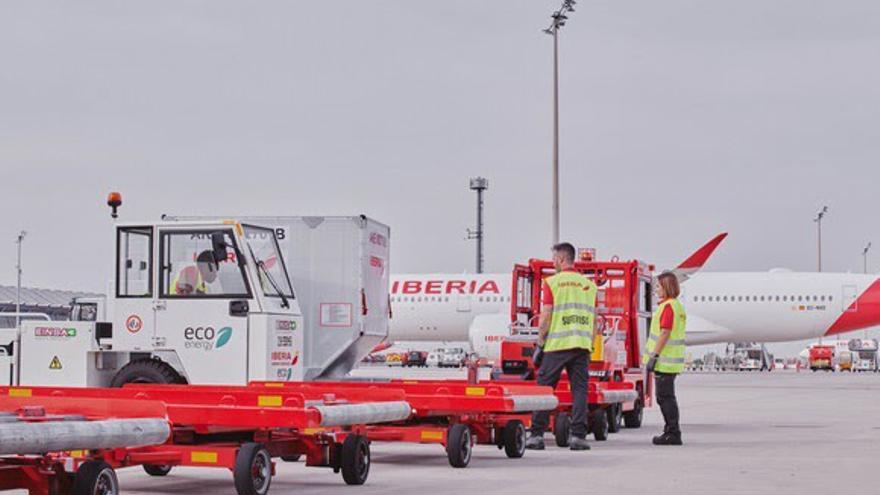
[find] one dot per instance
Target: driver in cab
(194, 279)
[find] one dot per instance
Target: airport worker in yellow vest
(665, 353)
(565, 341)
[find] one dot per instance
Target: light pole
(865, 256)
(18, 241)
(479, 185)
(559, 17)
(818, 220)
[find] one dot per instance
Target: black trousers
(665, 389)
(576, 362)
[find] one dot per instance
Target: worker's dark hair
(566, 250)
(206, 256)
(669, 282)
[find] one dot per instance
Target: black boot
(668, 439)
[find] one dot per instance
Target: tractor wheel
(146, 371)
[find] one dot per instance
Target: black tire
(633, 418)
(253, 469)
(562, 429)
(146, 371)
(291, 458)
(355, 462)
(514, 439)
(615, 418)
(157, 469)
(95, 478)
(599, 424)
(458, 445)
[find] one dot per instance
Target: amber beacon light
(114, 201)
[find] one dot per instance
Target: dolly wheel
(355, 460)
(615, 418)
(633, 418)
(599, 424)
(253, 470)
(95, 478)
(157, 469)
(514, 439)
(459, 445)
(562, 429)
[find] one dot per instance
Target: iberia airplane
(774, 306)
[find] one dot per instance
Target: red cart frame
(238, 428)
(457, 414)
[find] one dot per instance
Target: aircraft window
(815, 298)
(823, 298)
(747, 299)
(800, 298)
(830, 298)
(725, 298)
(785, 298)
(420, 298)
(762, 298)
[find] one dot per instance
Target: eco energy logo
(206, 338)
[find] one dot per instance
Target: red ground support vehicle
(238, 428)
(822, 357)
(457, 414)
(618, 389)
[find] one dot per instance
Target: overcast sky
(680, 119)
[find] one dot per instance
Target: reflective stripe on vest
(563, 307)
(200, 287)
(672, 356)
(574, 308)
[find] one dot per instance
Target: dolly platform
(56, 440)
(455, 414)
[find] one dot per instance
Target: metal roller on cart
(618, 390)
(71, 440)
(455, 414)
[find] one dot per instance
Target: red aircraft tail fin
(696, 260)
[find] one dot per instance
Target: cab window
(201, 264)
(134, 262)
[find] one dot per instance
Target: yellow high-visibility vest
(671, 359)
(200, 287)
(574, 312)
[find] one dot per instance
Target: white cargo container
(339, 268)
